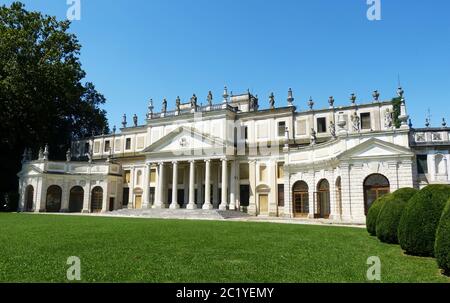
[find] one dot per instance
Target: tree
(43, 98)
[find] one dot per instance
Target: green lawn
(35, 248)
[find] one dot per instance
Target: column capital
(224, 159)
(207, 161)
(161, 163)
(174, 162)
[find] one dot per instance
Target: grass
(35, 248)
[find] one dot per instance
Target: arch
(76, 199)
(441, 164)
(375, 186)
(53, 201)
(323, 199)
(300, 198)
(97, 199)
(29, 198)
(338, 186)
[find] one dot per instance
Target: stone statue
(135, 120)
(194, 101)
(114, 129)
(311, 103)
(272, 101)
(388, 119)
(353, 99)
(210, 98)
(164, 106)
(332, 128)
(178, 103)
(124, 121)
(313, 140)
(331, 101)
(68, 155)
(150, 109)
(376, 96)
(356, 120)
(46, 152)
(41, 154)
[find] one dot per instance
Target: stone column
(191, 204)
(252, 194)
(174, 204)
(146, 186)
(223, 205)
(160, 188)
(208, 204)
(233, 186)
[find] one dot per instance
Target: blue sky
(134, 50)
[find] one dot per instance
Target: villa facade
(327, 163)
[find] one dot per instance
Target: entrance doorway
(375, 186)
(138, 202)
(323, 200)
(264, 204)
(301, 199)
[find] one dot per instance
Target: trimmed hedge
(419, 222)
(372, 214)
(442, 247)
(391, 213)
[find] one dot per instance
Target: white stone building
(329, 163)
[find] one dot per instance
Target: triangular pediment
(185, 138)
(375, 148)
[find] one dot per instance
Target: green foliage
(372, 215)
(419, 222)
(42, 96)
(397, 110)
(442, 246)
(391, 213)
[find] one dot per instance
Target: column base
(222, 207)
(174, 205)
(191, 206)
(159, 206)
(85, 211)
(65, 211)
(232, 206)
(207, 206)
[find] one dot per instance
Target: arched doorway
(339, 196)
(76, 199)
(375, 186)
(97, 199)
(53, 201)
(29, 196)
(323, 200)
(300, 198)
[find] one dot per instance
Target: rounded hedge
(420, 219)
(372, 214)
(442, 247)
(391, 213)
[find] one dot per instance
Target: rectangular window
(262, 173)
(152, 175)
(281, 128)
(243, 171)
(96, 147)
(107, 146)
(281, 195)
(151, 195)
(246, 132)
(422, 164)
(321, 125)
(128, 144)
(86, 148)
(280, 170)
(365, 121)
(127, 176)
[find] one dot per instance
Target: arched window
(76, 199)
(375, 186)
(441, 165)
(53, 201)
(323, 199)
(29, 197)
(339, 196)
(97, 200)
(300, 198)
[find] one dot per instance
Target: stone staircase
(197, 214)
